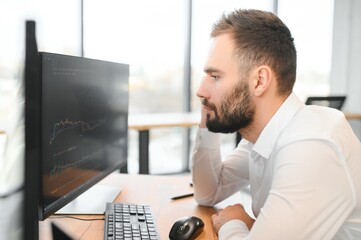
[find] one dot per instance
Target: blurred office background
(165, 42)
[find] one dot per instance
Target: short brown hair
(261, 38)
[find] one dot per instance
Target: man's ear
(261, 81)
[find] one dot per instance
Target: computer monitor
(80, 115)
(327, 101)
(84, 126)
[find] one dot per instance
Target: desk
(148, 189)
(143, 123)
(353, 116)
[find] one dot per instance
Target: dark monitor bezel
(32, 126)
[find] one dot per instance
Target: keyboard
(129, 221)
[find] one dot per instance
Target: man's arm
(310, 198)
(214, 179)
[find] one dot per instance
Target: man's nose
(202, 90)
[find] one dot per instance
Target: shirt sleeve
(310, 198)
(214, 179)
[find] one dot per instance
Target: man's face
(224, 90)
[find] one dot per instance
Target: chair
(328, 101)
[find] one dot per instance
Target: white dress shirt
(304, 173)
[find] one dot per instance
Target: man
(303, 163)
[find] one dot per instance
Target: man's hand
(203, 118)
(230, 213)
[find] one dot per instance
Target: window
(57, 28)
(310, 23)
(150, 37)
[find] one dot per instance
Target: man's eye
(214, 77)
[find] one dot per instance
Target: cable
(78, 218)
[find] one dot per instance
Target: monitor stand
(92, 201)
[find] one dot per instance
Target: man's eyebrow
(212, 70)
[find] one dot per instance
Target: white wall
(346, 57)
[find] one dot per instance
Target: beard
(236, 111)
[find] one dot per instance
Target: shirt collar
(275, 126)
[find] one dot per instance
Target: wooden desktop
(155, 191)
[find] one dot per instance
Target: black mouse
(186, 228)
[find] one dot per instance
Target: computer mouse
(186, 228)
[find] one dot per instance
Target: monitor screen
(84, 125)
